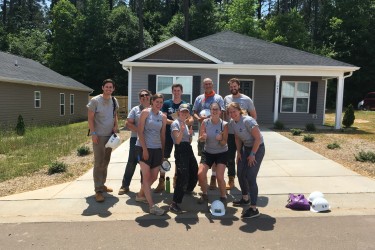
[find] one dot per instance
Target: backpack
(298, 202)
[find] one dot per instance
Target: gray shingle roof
(229, 46)
(28, 70)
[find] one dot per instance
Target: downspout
(129, 87)
(339, 99)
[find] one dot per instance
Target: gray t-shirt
(202, 103)
(242, 129)
(245, 103)
(104, 117)
(212, 145)
(134, 114)
(152, 130)
(175, 126)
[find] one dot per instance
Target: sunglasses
(144, 95)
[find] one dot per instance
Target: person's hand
(145, 155)
(251, 160)
(95, 139)
(219, 136)
(238, 157)
(182, 127)
(191, 131)
(204, 136)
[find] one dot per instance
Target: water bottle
(167, 185)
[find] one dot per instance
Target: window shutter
(313, 97)
(196, 87)
(152, 83)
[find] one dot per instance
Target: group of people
(226, 127)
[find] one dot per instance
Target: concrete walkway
(287, 168)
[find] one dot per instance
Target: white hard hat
(314, 195)
(165, 166)
(205, 112)
(319, 205)
(217, 208)
(113, 142)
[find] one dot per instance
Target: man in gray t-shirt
(102, 119)
(248, 108)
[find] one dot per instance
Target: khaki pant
(102, 156)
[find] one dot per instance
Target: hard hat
(319, 205)
(113, 142)
(205, 112)
(217, 208)
(314, 195)
(165, 166)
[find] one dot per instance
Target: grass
(348, 143)
(37, 148)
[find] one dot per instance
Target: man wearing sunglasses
(170, 108)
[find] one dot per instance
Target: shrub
(20, 127)
(310, 127)
(83, 150)
(57, 167)
(308, 138)
(296, 131)
(365, 156)
(333, 145)
(349, 117)
(278, 125)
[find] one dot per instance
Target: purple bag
(298, 202)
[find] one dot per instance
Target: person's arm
(238, 147)
(91, 118)
(255, 133)
(224, 135)
(162, 135)
(253, 113)
(115, 126)
(190, 120)
(178, 134)
(202, 132)
(141, 136)
(130, 124)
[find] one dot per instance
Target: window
(62, 104)
(246, 87)
(37, 99)
(164, 84)
(295, 97)
(71, 104)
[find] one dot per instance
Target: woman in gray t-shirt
(150, 145)
(250, 153)
(214, 132)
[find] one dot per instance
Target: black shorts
(210, 159)
(154, 156)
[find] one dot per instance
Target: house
(39, 94)
(285, 84)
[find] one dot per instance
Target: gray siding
(140, 78)
(18, 99)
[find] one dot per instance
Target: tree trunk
(4, 7)
(186, 21)
(140, 22)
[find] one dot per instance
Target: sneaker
(156, 210)
(107, 189)
(161, 186)
(203, 199)
(242, 202)
(141, 199)
(175, 208)
(99, 197)
(213, 183)
(123, 190)
(250, 213)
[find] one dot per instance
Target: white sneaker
(156, 210)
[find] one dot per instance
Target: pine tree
(349, 117)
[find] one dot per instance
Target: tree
(287, 29)
(349, 117)
(241, 17)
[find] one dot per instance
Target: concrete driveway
(287, 168)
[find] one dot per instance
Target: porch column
(130, 84)
(339, 101)
(276, 105)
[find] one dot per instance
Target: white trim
(325, 100)
(166, 43)
(252, 87)
(174, 81)
(276, 105)
(339, 101)
(296, 97)
(71, 104)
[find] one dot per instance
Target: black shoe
(250, 213)
(224, 201)
(175, 208)
(203, 199)
(242, 202)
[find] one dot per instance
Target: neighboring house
(39, 94)
(290, 81)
